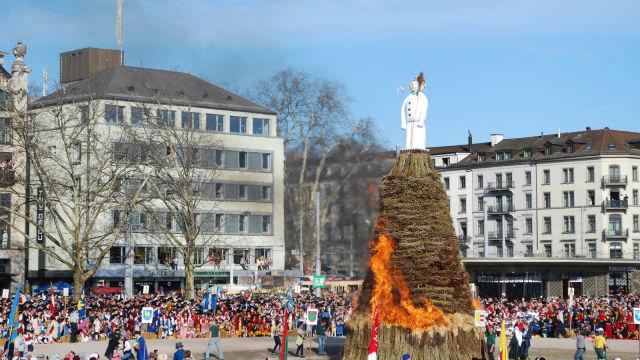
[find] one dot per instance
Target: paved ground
(257, 348)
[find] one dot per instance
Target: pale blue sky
(517, 67)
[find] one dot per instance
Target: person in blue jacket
(141, 347)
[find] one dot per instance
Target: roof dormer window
(526, 153)
(499, 156)
(481, 157)
(548, 150)
(568, 148)
(445, 161)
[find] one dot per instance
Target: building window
(615, 251)
(592, 250)
(139, 115)
(480, 181)
(528, 200)
(500, 155)
(591, 197)
(239, 255)
(636, 223)
(529, 226)
(445, 162)
(591, 175)
(446, 183)
(569, 250)
(167, 255)
(547, 177)
(634, 173)
(4, 101)
(242, 159)
(526, 153)
(266, 224)
(219, 221)
(568, 148)
(548, 150)
(527, 178)
(547, 225)
(463, 205)
(266, 161)
(547, 200)
(480, 203)
(114, 114)
(242, 191)
(569, 198)
(266, 193)
(635, 197)
(238, 125)
(142, 255)
(615, 225)
(219, 191)
(190, 120)
(568, 175)
(481, 157)
(463, 182)
(569, 225)
(215, 123)
(547, 250)
(480, 227)
(261, 127)
(507, 155)
(591, 223)
(614, 173)
(199, 256)
(117, 255)
(509, 179)
(528, 249)
(242, 223)
(166, 118)
(636, 251)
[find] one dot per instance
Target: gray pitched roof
(128, 83)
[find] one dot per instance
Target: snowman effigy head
(418, 83)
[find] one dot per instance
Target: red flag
(284, 345)
(52, 305)
(373, 344)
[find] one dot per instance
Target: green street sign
(319, 281)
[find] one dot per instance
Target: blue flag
(13, 322)
(82, 311)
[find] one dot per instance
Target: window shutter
(255, 224)
(230, 191)
(231, 159)
(231, 224)
(255, 161)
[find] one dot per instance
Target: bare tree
(313, 119)
(76, 185)
(181, 197)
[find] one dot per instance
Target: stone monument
(416, 279)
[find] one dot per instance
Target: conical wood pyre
(416, 278)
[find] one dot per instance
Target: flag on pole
(82, 311)
(373, 343)
(503, 343)
(284, 347)
(13, 321)
(52, 304)
(119, 24)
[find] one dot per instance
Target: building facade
(538, 215)
(243, 203)
(13, 102)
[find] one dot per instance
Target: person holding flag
(13, 324)
(503, 343)
(82, 311)
(288, 307)
(52, 303)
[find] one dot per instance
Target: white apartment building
(13, 100)
(540, 214)
(248, 189)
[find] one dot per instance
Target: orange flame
(475, 302)
(391, 294)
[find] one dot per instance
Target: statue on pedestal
(414, 114)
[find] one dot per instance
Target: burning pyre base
(416, 278)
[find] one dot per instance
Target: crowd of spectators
(553, 317)
(241, 315)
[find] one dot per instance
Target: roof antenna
(45, 79)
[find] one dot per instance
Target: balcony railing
(519, 254)
(615, 204)
(608, 234)
(497, 235)
(499, 209)
(499, 186)
(614, 180)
